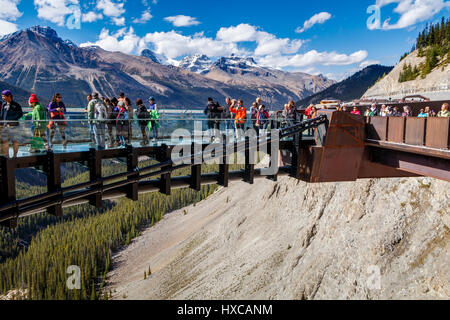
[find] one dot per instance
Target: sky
(334, 38)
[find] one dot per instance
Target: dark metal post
(224, 167)
(95, 173)
(295, 165)
(249, 175)
(165, 178)
(132, 166)
(53, 170)
(269, 152)
(196, 171)
(8, 187)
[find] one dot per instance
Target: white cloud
(318, 18)
(119, 21)
(270, 51)
(174, 45)
(55, 10)
(314, 57)
(9, 10)
(368, 63)
(182, 21)
(91, 17)
(412, 11)
(9, 13)
(145, 17)
(124, 40)
(240, 33)
(7, 27)
(111, 8)
(268, 43)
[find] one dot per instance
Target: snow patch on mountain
(198, 63)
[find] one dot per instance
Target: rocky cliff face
(373, 239)
(435, 86)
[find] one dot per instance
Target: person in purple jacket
(56, 109)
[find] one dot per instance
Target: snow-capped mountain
(246, 72)
(46, 63)
(198, 63)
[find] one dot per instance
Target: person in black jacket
(214, 113)
(10, 113)
(144, 117)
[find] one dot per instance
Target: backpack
(143, 113)
(100, 111)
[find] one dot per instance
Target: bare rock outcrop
(372, 239)
(435, 86)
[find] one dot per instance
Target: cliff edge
(373, 239)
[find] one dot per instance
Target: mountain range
(39, 61)
(351, 88)
(245, 72)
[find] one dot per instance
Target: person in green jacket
(40, 122)
(153, 124)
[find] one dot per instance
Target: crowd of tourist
(388, 111)
(110, 119)
(235, 116)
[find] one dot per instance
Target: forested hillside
(85, 237)
(433, 43)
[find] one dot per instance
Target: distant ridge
(20, 95)
(351, 88)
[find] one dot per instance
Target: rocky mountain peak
(44, 31)
(150, 55)
(198, 63)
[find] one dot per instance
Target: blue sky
(329, 37)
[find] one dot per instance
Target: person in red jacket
(240, 116)
(356, 111)
(308, 111)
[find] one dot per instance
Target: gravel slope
(290, 240)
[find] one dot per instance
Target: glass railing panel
(76, 133)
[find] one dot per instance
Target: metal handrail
(49, 199)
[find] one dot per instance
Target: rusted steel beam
(433, 167)
(425, 151)
(377, 128)
(396, 129)
(374, 170)
(438, 133)
(415, 131)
